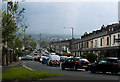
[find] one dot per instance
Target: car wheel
(116, 72)
(58, 65)
(104, 72)
(74, 68)
(49, 64)
(92, 71)
(63, 67)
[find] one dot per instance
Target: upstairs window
(95, 43)
(118, 36)
(114, 39)
(107, 40)
(101, 41)
(87, 44)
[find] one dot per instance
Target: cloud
(51, 17)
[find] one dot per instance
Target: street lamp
(71, 39)
(72, 30)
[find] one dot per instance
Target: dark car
(75, 63)
(37, 58)
(108, 64)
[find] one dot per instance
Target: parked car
(41, 58)
(35, 54)
(75, 63)
(27, 58)
(108, 64)
(44, 60)
(37, 58)
(54, 60)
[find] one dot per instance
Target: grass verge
(16, 73)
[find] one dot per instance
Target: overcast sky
(52, 17)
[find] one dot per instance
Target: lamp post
(72, 30)
(71, 39)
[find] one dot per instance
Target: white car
(53, 60)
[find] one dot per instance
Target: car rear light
(88, 62)
(43, 58)
(78, 62)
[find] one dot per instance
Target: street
(81, 74)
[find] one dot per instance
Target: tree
(29, 42)
(10, 26)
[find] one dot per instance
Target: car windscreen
(55, 57)
(78, 59)
(113, 60)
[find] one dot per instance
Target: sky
(52, 17)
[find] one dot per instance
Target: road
(79, 74)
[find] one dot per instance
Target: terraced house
(60, 47)
(103, 42)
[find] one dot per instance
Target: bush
(84, 54)
(90, 56)
(27, 52)
(19, 52)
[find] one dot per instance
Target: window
(114, 39)
(87, 44)
(101, 42)
(102, 62)
(68, 60)
(95, 43)
(118, 36)
(91, 44)
(107, 40)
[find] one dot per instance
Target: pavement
(14, 64)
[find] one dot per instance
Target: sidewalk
(14, 64)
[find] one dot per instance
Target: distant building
(61, 47)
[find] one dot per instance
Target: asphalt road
(80, 74)
(70, 74)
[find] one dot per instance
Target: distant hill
(50, 37)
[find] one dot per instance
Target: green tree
(10, 23)
(29, 41)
